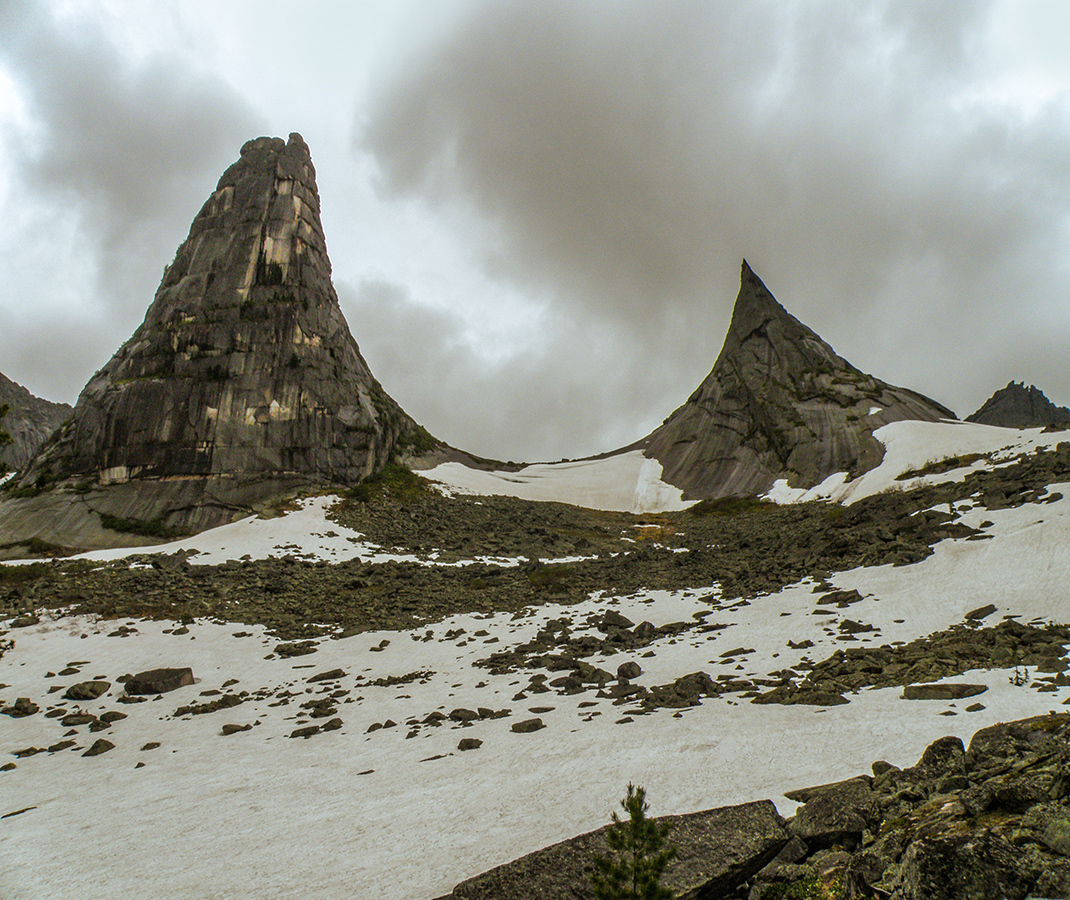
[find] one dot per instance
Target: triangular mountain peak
(778, 403)
(243, 378)
(1021, 406)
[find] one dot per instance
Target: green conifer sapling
(640, 855)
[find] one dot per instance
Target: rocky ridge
(242, 383)
(778, 403)
(1018, 406)
(29, 421)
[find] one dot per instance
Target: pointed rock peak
(25, 422)
(757, 314)
(778, 403)
(243, 380)
(1018, 406)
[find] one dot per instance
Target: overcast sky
(536, 211)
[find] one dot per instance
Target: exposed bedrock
(243, 380)
(778, 403)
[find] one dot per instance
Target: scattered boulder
(527, 726)
(289, 649)
(234, 729)
(23, 706)
(100, 745)
(942, 691)
(982, 612)
(87, 690)
(330, 675)
(159, 681)
(469, 744)
(629, 670)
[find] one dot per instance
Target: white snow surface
(910, 446)
(376, 813)
(305, 532)
(626, 482)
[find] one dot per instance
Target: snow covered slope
(628, 482)
(387, 805)
(911, 446)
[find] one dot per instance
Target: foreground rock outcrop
(779, 403)
(242, 383)
(717, 850)
(28, 422)
(987, 822)
(1018, 406)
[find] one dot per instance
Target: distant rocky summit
(779, 403)
(1018, 406)
(29, 421)
(242, 383)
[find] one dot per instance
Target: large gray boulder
(778, 403)
(717, 850)
(159, 681)
(243, 382)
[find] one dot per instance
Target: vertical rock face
(1018, 406)
(779, 403)
(244, 367)
(29, 421)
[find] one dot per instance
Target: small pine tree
(640, 855)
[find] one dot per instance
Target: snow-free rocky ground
(452, 619)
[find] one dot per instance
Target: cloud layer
(114, 159)
(622, 158)
(537, 212)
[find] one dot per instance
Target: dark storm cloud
(623, 157)
(126, 150)
(508, 409)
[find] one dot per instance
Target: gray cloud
(522, 407)
(622, 158)
(120, 155)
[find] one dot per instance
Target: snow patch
(910, 446)
(627, 482)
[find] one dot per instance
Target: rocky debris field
(540, 626)
(745, 548)
(988, 821)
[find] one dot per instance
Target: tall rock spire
(243, 372)
(778, 403)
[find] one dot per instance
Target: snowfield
(910, 446)
(627, 482)
(399, 812)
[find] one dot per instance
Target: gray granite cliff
(243, 381)
(779, 403)
(29, 421)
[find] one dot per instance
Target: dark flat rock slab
(717, 850)
(159, 681)
(942, 691)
